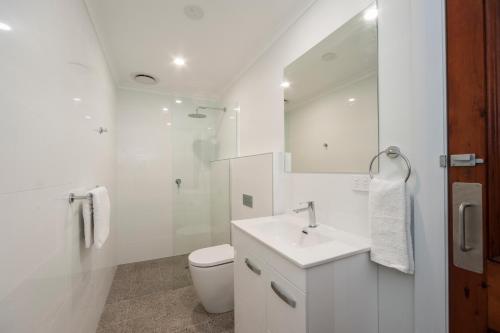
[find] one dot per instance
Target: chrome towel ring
(392, 152)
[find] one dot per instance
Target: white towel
(390, 219)
(101, 215)
(87, 222)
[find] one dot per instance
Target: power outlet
(361, 183)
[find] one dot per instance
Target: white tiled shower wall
(144, 177)
(48, 148)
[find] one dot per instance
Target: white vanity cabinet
(275, 295)
(285, 305)
(250, 286)
(265, 301)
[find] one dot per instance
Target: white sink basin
(292, 234)
(284, 234)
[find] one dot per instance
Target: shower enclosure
(203, 135)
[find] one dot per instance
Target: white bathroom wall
(411, 85)
(144, 176)
(55, 91)
(252, 175)
(227, 133)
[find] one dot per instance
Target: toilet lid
(212, 256)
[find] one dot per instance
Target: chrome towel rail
(392, 152)
(73, 197)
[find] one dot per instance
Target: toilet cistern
(312, 213)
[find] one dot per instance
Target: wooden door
(473, 36)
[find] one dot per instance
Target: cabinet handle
(282, 295)
(252, 267)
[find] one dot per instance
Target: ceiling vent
(144, 78)
(193, 12)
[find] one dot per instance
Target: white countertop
(283, 233)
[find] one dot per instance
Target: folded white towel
(87, 222)
(101, 214)
(390, 219)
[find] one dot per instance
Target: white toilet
(212, 273)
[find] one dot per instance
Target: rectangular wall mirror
(331, 101)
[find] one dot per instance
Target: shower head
(197, 115)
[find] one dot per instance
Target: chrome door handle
(461, 226)
(282, 295)
(252, 267)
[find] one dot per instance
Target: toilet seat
(212, 256)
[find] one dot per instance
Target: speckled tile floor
(157, 296)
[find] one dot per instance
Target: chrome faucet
(312, 213)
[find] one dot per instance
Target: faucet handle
(308, 203)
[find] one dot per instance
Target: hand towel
(390, 220)
(101, 215)
(87, 222)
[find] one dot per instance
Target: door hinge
(443, 161)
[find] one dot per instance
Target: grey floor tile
(158, 296)
(186, 295)
(124, 272)
(182, 278)
(147, 271)
(222, 322)
(147, 287)
(198, 328)
(114, 313)
(152, 305)
(143, 325)
(120, 290)
(184, 319)
(115, 328)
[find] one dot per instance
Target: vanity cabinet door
(286, 306)
(249, 294)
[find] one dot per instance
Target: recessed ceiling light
(77, 99)
(179, 61)
(164, 109)
(88, 117)
(210, 128)
(351, 100)
(5, 27)
(169, 124)
(285, 84)
(178, 101)
(371, 14)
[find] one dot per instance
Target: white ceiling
(145, 35)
